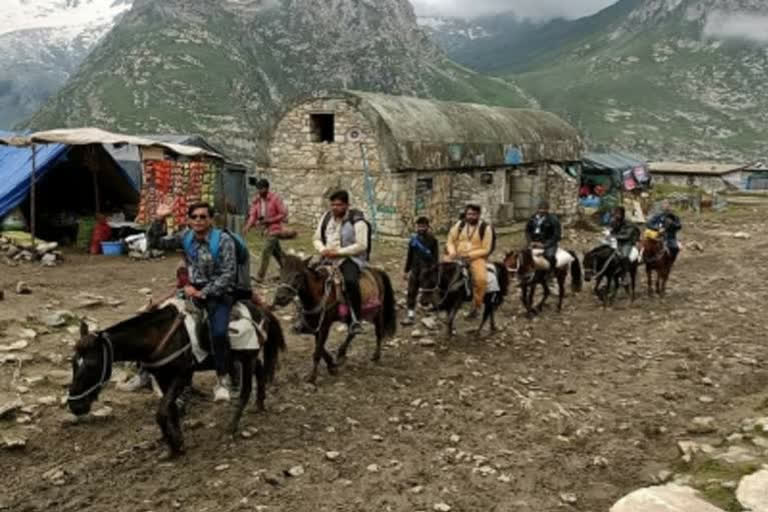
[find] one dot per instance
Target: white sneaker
(221, 390)
(139, 381)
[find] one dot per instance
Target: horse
(322, 304)
(159, 342)
(657, 257)
(446, 286)
(530, 273)
(601, 263)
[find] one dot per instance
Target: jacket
(417, 252)
(275, 215)
(349, 237)
(625, 233)
(545, 230)
(669, 222)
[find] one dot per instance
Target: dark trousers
(219, 310)
(414, 282)
(271, 248)
(550, 253)
(351, 274)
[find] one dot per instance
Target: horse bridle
(321, 308)
(108, 356)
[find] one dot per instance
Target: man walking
(343, 238)
(471, 240)
(422, 255)
(213, 278)
(268, 213)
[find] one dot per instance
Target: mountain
(680, 79)
(227, 68)
(43, 44)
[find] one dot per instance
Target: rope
(106, 368)
(370, 193)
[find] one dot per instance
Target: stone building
(403, 157)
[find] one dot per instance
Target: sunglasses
(198, 217)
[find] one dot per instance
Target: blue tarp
(16, 170)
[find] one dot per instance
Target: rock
(332, 455)
(702, 425)
(296, 471)
(707, 381)
(145, 291)
(736, 455)
(706, 399)
(752, 492)
(741, 235)
(18, 345)
(689, 448)
(441, 507)
(667, 498)
(664, 476)
(600, 462)
(372, 468)
(9, 409)
(29, 334)
(696, 246)
(430, 323)
(15, 358)
(47, 400)
(23, 288)
(103, 413)
(740, 310)
(46, 247)
(48, 260)
(221, 467)
(568, 497)
(14, 443)
(427, 342)
(455, 439)
(417, 334)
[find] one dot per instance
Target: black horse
(158, 340)
(524, 265)
(602, 263)
(446, 286)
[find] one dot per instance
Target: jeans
(351, 273)
(550, 254)
(219, 310)
(271, 248)
(413, 288)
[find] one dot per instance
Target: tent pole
(94, 170)
(32, 205)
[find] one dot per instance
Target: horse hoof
(333, 370)
(376, 358)
(341, 359)
(311, 379)
(260, 409)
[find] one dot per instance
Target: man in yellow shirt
(471, 240)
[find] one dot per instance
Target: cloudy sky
(524, 8)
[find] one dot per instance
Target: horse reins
(321, 308)
(108, 356)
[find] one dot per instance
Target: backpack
(242, 254)
(483, 228)
(355, 216)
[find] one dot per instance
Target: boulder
(667, 498)
(22, 288)
(752, 492)
(59, 319)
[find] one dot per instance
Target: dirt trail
(583, 406)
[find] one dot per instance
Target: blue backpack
(241, 249)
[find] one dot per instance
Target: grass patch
(708, 474)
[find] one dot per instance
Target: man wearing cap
(544, 229)
(267, 213)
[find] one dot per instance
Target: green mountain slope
(226, 68)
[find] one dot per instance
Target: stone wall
(562, 192)
(305, 173)
(708, 184)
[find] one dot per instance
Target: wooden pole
(94, 172)
(32, 206)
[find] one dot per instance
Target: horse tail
(503, 276)
(576, 277)
(274, 344)
(388, 306)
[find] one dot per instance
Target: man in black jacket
(544, 228)
(422, 254)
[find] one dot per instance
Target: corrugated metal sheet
(614, 160)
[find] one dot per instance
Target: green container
(84, 232)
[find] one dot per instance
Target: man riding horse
(211, 261)
(667, 224)
(626, 235)
(342, 238)
(471, 240)
(544, 229)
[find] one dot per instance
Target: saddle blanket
(563, 258)
(244, 332)
(493, 280)
(634, 255)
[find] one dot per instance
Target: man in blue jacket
(668, 224)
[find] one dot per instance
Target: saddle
(563, 258)
(492, 279)
(245, 333)
(369, 291)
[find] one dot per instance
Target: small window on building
(322, 128)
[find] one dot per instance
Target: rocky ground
(566, 412)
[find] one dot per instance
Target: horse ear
(83, 329)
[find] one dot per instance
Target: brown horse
(158, 340)
(657, 257)
(322, 304)
(529, 274)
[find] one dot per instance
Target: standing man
(471, 240)
(422, 255)
(343, 238)
(626, 235)
(668, 224)
(212, 278)
(268, 213)
(544, 228)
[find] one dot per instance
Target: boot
(138, 382)
(473, 313)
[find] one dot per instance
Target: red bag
(101, 233)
